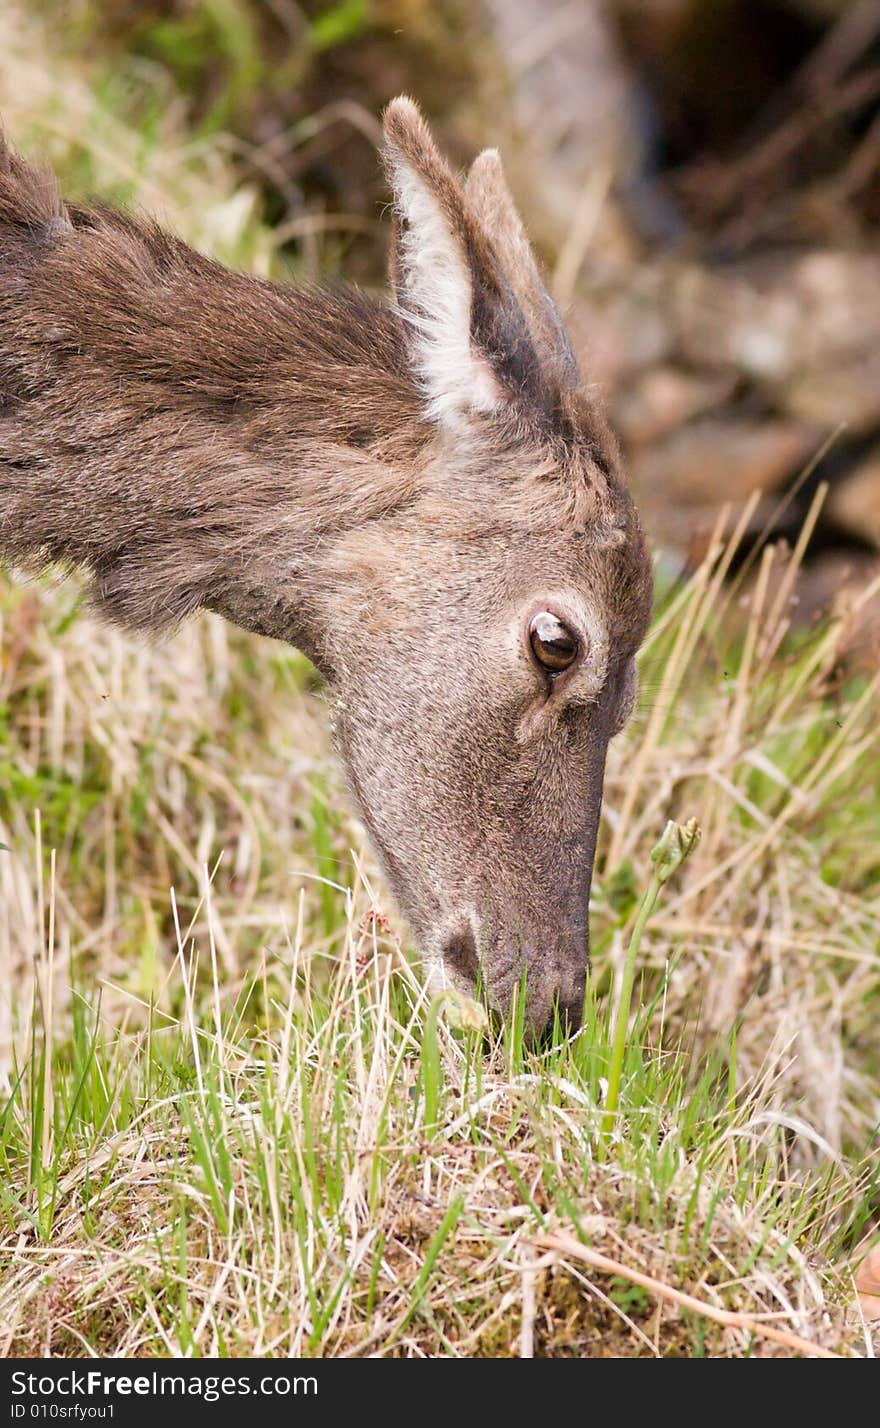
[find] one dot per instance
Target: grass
(230, 1120)
(118, 130)
(232, 1123)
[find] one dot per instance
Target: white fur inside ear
(436, 304)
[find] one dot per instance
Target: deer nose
(553, 998)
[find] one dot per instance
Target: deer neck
(191, 436)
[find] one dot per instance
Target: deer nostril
(569, 1013)
(460, 953)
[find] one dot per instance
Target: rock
(838, 295)
(854, 501)
(722, 459)
(575, 96)
(623, 330)
(846, 394)
(690, 530)
(665, 397)
(835, 581)
(808, 331)
(730, 319)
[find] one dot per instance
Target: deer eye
(553, 644)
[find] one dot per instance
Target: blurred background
(701, 177)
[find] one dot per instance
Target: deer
(418, 491)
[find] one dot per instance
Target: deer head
(492, 625)
(424, 498)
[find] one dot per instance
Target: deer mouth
(553, 985)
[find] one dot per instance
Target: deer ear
(492, 205)
(469, 341)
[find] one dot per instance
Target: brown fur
(308, 463)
